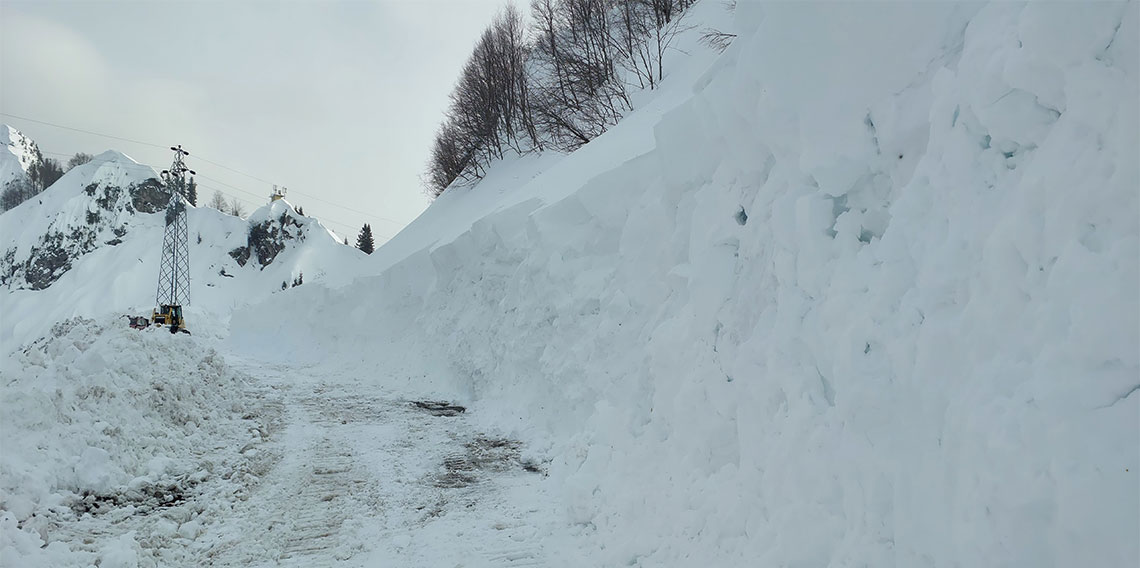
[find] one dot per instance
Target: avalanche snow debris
(110, 430)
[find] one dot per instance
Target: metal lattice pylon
(174, 272)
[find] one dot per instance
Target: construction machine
(170, 315)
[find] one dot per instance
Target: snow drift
(860, 291)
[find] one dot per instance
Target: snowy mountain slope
(17, 155)
(90, 245)
(89, 207)
(868, 298)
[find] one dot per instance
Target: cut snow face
(917, 346)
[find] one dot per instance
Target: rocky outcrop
(53, 253)
(268, 238)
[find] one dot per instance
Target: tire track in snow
(298, 519)
(366, 479)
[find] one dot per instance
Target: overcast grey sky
(338, 101)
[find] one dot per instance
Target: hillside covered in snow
(92, 241)
(861, 290)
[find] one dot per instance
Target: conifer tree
(364, 241)
(78, 160)
(192, 192)
(44, 172)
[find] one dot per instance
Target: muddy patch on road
(479, 457)
(439, 408)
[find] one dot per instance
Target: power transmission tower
(174, 273)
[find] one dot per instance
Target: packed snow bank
(102, 424)
(869, 298)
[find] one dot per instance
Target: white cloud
(337, 100)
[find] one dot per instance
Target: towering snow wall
(867, 296)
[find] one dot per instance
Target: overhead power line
(82, 130)
(235, 171)
(350, 228)
(225, 167)
(313, 197)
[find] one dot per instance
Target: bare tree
(448, 159)
(489, 109)
(218, 201)
(236, 208)
(631, 32)
(577, 91)
(560, 85)
(666, 25)
(717, 39)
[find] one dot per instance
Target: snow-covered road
(358, 478)
(233, 461)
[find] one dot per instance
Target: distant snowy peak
(111, 168)
(17, 155)
(90, 206)
(97, 205)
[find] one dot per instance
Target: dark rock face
(67, 240)
(148, 196)
(241, 255)
(48, 259)
(263, 239)
(105, 221)
(267, 239)
(47, 262)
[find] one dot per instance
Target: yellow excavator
(171, 315)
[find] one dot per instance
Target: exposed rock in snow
(104, 220)
(270, 229)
